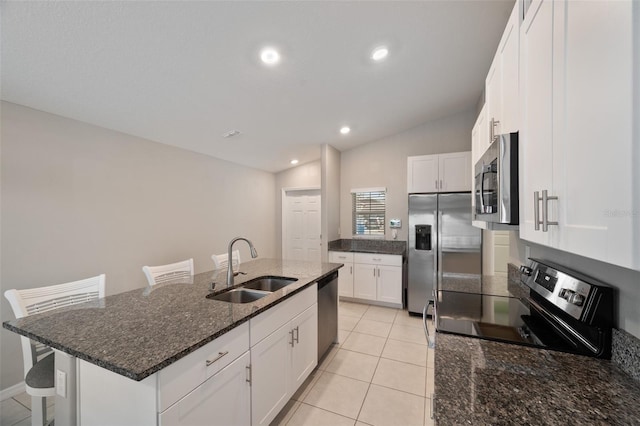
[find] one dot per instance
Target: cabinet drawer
(378, 259)
(274, 318)
(340, 257)
(186, 374)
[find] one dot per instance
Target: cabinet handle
(374, 272)
(220, 355)
(248, 379)
(297, 335)
(291, 342)
(536, 210)
(436, 183)
(378, 272)
(545, 210)
(351, 270)
(492, 130)
(441, 187)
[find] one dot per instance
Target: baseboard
(12, 391)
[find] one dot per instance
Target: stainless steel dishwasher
(327, 313)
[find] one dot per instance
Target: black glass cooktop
(500, 318)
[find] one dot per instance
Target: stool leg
(38, 411)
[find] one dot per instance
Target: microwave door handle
(482, 190)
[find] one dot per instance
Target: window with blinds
(368, 212)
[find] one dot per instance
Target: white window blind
(368, 212)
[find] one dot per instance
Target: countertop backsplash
(625, 347)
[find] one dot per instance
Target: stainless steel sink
(268, 283)
(239, 295)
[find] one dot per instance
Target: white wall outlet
(61, 383)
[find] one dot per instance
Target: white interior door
(301, 225)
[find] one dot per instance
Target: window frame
(379, 214)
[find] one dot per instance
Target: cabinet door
(389, 284)
(345, 274)
(224, 399)
(345, 280)
(270, 365)
(305, 350)
(422, 174)
(455, 171)
(536, 114)
(509, 75)
(593, 100)
(364, 281)
(493, 101)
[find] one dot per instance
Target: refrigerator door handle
(431, 342)
(439, 250)
(434, 250)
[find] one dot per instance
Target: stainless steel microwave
(496, 183)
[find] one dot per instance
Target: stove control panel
(565, 291)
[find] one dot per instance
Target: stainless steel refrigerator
(442, 242)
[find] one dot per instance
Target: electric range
(565, 311)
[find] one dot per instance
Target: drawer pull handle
(220, 355)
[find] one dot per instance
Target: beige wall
(384, 164)
(79, 200)
(303, 176)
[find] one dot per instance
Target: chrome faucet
(254, 254)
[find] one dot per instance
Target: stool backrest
(221, 261)
(43, 299)
(171, 272)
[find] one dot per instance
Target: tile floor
(16, 411)
(380, 374)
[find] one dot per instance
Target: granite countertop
(369, 246)
(139, 332)
(482, 382)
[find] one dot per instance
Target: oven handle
(482, 189)
(431, 343)
(565, 326)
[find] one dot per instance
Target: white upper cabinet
(439, 173)
(536, 71)
(501, 85)
(577, 99)
(422, 172)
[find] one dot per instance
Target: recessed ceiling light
(294, 161)
(231, 133)
(379, 53)
(345, 130)
(270, 56)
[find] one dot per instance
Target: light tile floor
(16, 411)
(381, 374)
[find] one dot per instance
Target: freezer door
(422, 249)
(459, 243)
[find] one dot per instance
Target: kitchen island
(123, 340)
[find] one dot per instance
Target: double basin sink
(253, 290)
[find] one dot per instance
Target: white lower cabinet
(281, 361)
(378, 277)
(224, 399)
(345, 274)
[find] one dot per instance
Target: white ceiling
(184, 73)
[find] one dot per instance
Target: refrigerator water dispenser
(423, 237)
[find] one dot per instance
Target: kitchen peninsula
(146, 355)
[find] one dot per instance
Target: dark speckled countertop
(369, 246)
(139, 332)
(479, 382)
